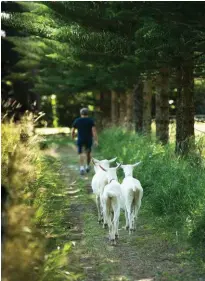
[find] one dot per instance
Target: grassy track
(152, 253)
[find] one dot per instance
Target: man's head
(84, 111)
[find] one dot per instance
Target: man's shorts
(84, 145)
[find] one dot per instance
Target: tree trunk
(122, 108)
(98, 113)
(114, 108)
(129, 110)
(162, 107)
(147, 98)
(138, 106)
(185, 108)
(105, 107)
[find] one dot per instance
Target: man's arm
(95, 136)
(74, 127)
(73, 133)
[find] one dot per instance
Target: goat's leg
(135, 214)
(116, 223)
(133, 219)
(101, 208)
(104, 214)
(101, 214)
(108, 216)
(129, 218)
(110, 227)
(117, 230)
(105, 220)
(112, 234)
(98, 208)
(126, 219)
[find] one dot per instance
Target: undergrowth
(36, 245)
(23, 244)
(174, 187)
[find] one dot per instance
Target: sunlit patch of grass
(52, 131)
(55, 141)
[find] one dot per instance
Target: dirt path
(147, 255)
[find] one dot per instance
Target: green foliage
(55, 267)
(23, 248)
(173, 187)
(14, 151)
(69, 48)
(37, 244)
(198, 229)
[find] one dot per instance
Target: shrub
(35, 211)
(173, 186)
(23, 246)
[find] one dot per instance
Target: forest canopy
(130, 62)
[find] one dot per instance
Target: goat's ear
(102, 168)
(112, 160)
(95, 160)
(136, 164)
(118, 166)
(95, 169)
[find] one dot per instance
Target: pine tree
(117, 42)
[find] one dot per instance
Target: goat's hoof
(131, 230)
(105, 225)
(116, 236)
(113, 242)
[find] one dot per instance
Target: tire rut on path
(145, 255)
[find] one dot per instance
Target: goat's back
(131, 189)
(131, 183)
(112, 190)
(111, 197)
(98, 183)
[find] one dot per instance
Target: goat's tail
(134, 187)
(108, 206)
(136, 199)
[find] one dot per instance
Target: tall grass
(23, 247)
(174, 188)
(35, 210)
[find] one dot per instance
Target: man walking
(86, 133)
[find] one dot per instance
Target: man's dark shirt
(84, 126)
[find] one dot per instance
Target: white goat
(111, 203)
(98, 183)
(131, 192)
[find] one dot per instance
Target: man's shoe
(82, 172)
(87, 169)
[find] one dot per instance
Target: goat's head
(111, 172)
(128, 169)
(103, 163)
